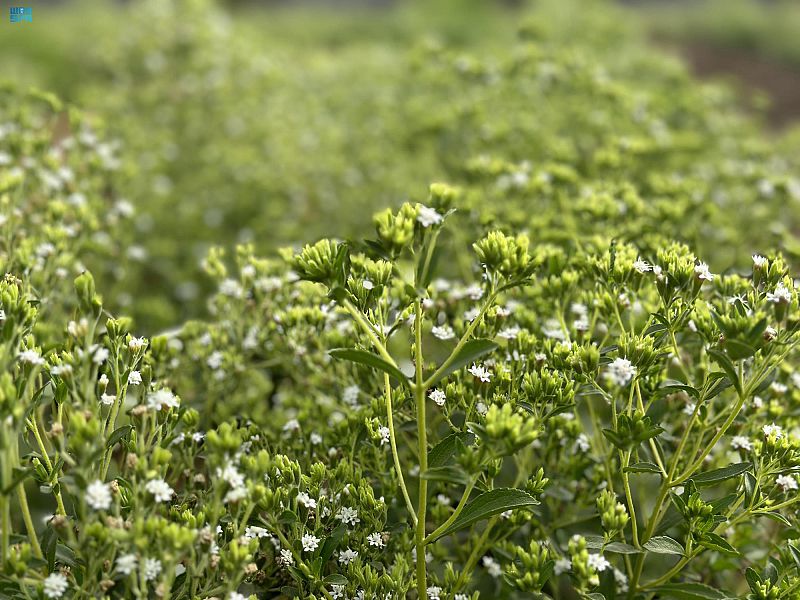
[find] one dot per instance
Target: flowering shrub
(572, 375)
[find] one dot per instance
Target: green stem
(443, 527)
(368, 329)
(422, 437)
(393, 445)
(464, 339)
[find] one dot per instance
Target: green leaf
(643, 467)
(717, 475)
(332, 542)
(489, 504)
(441, 453)
(369, 359)
(726, 365)
(689, 591)
(335, 579)
(117, 435)
(448, 473)
(753, 578)
(470, 352)
(774, 516)
(596, 542)
(662, 544)
(715, 542)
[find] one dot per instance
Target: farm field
(438, 300)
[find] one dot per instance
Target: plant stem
(373, 337)
(422, 439)
(455, 514)
(393, 445)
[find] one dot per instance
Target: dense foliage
(571, 372)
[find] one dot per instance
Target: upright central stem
(422, 437)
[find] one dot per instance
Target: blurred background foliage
(277, 123)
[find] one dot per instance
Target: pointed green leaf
(441, 453)
(369, 359)
(489, 504)
(717, 475)
(662, 544)
(689, 591)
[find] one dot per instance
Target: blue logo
(18, 14)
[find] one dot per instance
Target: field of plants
(442, 300)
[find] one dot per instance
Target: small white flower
(438, 396)
(347, 556)
(306, 500)
(482, 409)
(427, 216)
(214, 361)
(702, 272)
(160, 489)
(582, 443)
(563, 565)
(236, 596)
(286, 557)
(367, 284)
(350, 395)
(134, 378)
(315, 439)
(160, 398)
(376, 540)
(786, 482)
(689, 408)
(385, 434)
(126, 564)
(310, 542)
(621, 371)
(781, 295)
(509, 333)
(253, 532)
(348, 516)
(100, 356)
(480, 372)
(31, 357)
(740, 442)
(598, 562)
(291, 425)
(443, 332)
(107, 399)
(773, 429)
(55, 585)
(98, 495)
(492, 566)
(434, 592)
(137, 343)
(152, 568)
(760, 262)
(641, 266)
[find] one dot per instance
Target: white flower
(760, 262)
(137, 343)
(438, 396)
(641, 266)
(563, 565)
(443, 332)
(583, 443)
(31, 357)
(385, 434)
(350, 395)
(134, 378)
(376, 539)
(786, 482)
(702, 272)
(292, 425)
(310, 542)
(231, 287)
(160, 398)
(492, 566)
(55, 585)
(347, 556)
(781, 295)
(460, 597)
(286, 557)
(100, 356)
(434, 592)
(509, 333)
(689, 408)
(315, 439)
(107, 399)
(61, 370)
(598, 562)
(740, 442)
(2, 312)
(348, 516)
(773, 429)
(98, 495)
(480, 372)
(427, 216)
(253, 532)
(236, 596)
(160, 489)
(482, 409)
(152, 568)
(621, 580)
(126, 564)
(306, 500)
(214, 361)
(621, 371)
(337, 592)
